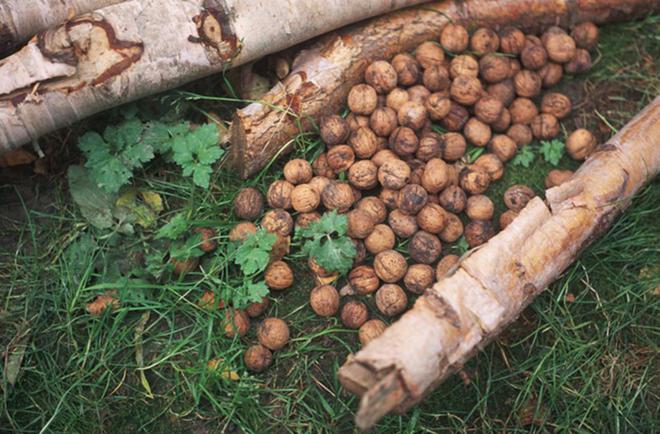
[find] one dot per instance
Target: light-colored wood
(462, 313)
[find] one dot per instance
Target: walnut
(556, 104)
(363, 175)
(503, 147)
(466, 90)
(488, 109)
(534, 56)
(453, 229)
(456, 118)
(248, 203)
(412, 115)
(382, 156)
(278, 275)
(545, 126)
(257, 358)
(318, 183)
(503, 122)
(454, 38)
(444, 266)
(429, 147)
(394, 174)
(517, 196)
(404, 141)
(504, 91)
(354, 314)
(512, 40)
(484, 41)
(383, 121)
(360, 224)
(340, 158)
(416, 171)
(305, 218)
(436, 176)
(363, 279)
(242, 231)
(370, 330)
(474, 180)
(396, 98)
(429, 54)
(391, 299)
(491, 164)
(334, 130)
(407, 69)
(478, 232)
(380, 239)
(338, 195)
(412, 198)
(464, 64)
(362, 99)
(453, 146)
(477, 132)
(317, 269)
(278, 221)
(321, 167)
(182, 266)
(494, 68)
(580, 144)
(324, 300)
(389, 197)
(403, 225)
(506, 218)
(360, 252)
(304, 198)
(424, 247)
(527, 83)
(381, 75)
(273, 333)
(431, 218)
(551, 74)
(374, 207)
(453, 199)
(557, 177)
(356, 121)
(436, 78)
(580, 63)
(419, 278)
(521, 134)
(236, 323)
(298, 171)
(559, 46)
(363, 141)
(523, 111)
(480, 207)
(585, 35)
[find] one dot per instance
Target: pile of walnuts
(396, 164)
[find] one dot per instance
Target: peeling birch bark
(462, 313)
(322, 75)
(136, 48)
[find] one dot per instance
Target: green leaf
(326, 241)
(253, 254)
(552, 151)
(187, 249)
(335, 254)
(196, 152)
(524, 157)
(329, 223)
(176, 227)
(78, 258)
(95, 204)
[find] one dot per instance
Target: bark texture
(460, 314)
(322, 75)
(22, 19)
(136, 48)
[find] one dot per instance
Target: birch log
(22, 19)
(141, 47)
(460, 314)
(322, 75)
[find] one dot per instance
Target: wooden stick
(323, 74)
(461, 314)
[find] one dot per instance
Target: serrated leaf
(176, 227)
(552, 151)
(196, 152)
(335, 254)
(524, 157)
(253, 254)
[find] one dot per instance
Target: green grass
(582, 358)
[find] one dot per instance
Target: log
(462, 313)
(322, 75)
(22, 19)
(136, 48)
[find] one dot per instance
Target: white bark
(141, 47)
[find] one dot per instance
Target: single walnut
(503, 147)
(278, 275)
(503, 122)
(580, 63)
(182, 266)
(557, 177)
(545, 126)
(390, 266)
(456, 118)
(248, 203)
(484, 41)
(321, 167)
(278, 221)
(362, 99)
(380, 239)
(391, 299)
(453, 199)
(436, 78)
(273, 333)
(318, 183)
(551, 74)
(504, 91)
(360, 252)
(394, 174)
(580, 144)
(298, 171)
(559, 46)
(354, 314)
(363, 279)
(389, 197)
(488, 109)
(407, 69)
(477, 132)
(466, 90)
(383, 121)
(338, 195)
(520, 134)
(491, 164)
(381, 75)
(356, 121)
(236, 323)
(419, 278)
(412, 198)
(437, 106)
(242, 231)
(453, 229)
(517, 196)
(464, 64)
(363, 175)
(416, 170)
(474, 180)
(396, 98)
(360, 224)
(374, 207)
(436, 176)
(324, 300)
(556, 104)
(382, 156)
(534, 56)
(453, 146)
(527, 83)
(445, 265)
(429, 147)
(494, 68)
(431, 218)
(304, 198)
(429, 54)
(340, 158)
(424, 247)
(363, 141)
(523, 111)
(514, 67)
(418, 93)
(305, 218)
(257, 358)
(512, 40)
(412, 115)
(506, 218)
(334, 130)
(480, 207)
(370, 330)
(585, 35)
(454, 38)
(404, 141)
(478, 232)
(403, 225)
